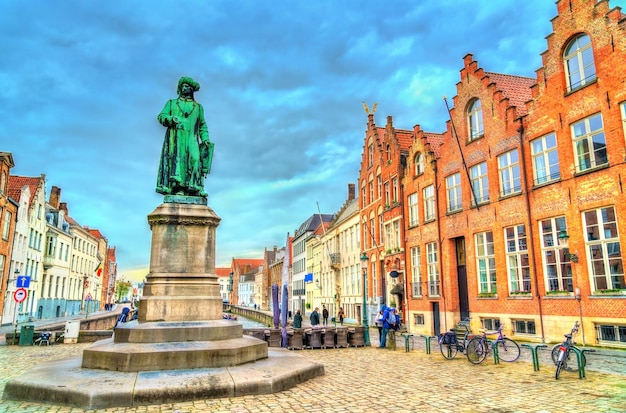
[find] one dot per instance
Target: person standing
(379, 324)
(297, 320)
(340, 314)
(325, 315)
(315, 317)
(187, 152)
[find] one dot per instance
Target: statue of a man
(187, 151)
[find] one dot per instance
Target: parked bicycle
(480, 346)
(562, 354)
(449, 345)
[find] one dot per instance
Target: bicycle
(449, 345)
(562, 354)
(479, 346)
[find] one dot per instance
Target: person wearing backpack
(389, 321)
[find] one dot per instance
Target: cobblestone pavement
(380, 380)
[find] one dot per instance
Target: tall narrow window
(603, 248)
(579, 64)
(395, 195)
(419, 163)
(413, 212)
(7, 225)
(416, 273)
(379, 184)
(589, 143)
(453, 189)
(480, 183)
(429, 203)
(517, 263)
(433, 269)
(486, 262)
(387, 195)
(475, 120)
(623, 110)
(371, 188)
(545, 159)
(509, 170)
(557, 268)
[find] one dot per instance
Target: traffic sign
(20, 295)
(23, 281)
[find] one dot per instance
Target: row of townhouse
(51, 266)
(320, 264)
(516, 213)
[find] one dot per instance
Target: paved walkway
(382, 380)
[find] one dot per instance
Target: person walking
(325, 315)
(297, 320)
(379, 324)
(315, 317)
(340, 315)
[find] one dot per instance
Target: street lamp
(366, 327)
(564, 243)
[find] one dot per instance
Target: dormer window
(475, 120)
(579, 66)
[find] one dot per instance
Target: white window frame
(429, 203)
(475, 124)
(509, 172)
(545, 155)
(623, 111)
(517, 260)
(602, 242)
(419, 163)
(453, 190)
(557, 268)
(586, 135)
(432, 263)
(486, 263)
(413, 209)
(480, 183)
(579, 62)
(416, 272)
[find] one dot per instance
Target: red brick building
(8, 218)
(381, 214)
(524, 164)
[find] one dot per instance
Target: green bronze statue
(187, 151)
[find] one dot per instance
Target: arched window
(419, 163)
(579, 65)
(475, 120)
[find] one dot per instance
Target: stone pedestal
(180, 323)
(182, 285)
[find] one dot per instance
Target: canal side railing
(252, 314)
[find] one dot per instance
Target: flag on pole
(99, 270)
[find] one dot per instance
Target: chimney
(55, 197)
(351, 192)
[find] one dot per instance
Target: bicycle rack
(579, 360)
(533, 351)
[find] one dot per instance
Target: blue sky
(282, 85)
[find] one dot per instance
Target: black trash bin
(26, 335)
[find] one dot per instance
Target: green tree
(122, 287)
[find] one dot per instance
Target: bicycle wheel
(559, 367)
(476, 350)
(448, 351)
(571, 364)
(508, 350)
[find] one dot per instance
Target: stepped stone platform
(180, 348)
(66, 383)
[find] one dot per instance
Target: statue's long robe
(182, 168)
